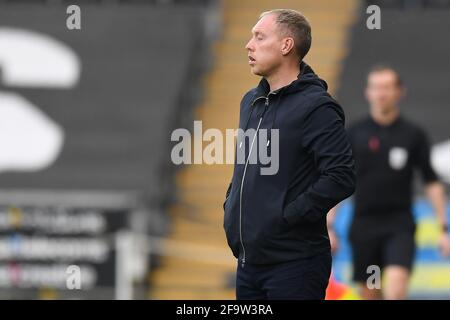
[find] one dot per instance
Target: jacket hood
(307, 81)
(306, 77)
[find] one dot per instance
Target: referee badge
(398, 157)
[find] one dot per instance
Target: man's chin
(256, 71)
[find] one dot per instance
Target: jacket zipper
(266, 104)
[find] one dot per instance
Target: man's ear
(287, 46)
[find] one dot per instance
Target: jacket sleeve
(325, 138)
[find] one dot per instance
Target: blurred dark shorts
(382, 245)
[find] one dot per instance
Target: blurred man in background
(276, 224)
(387, 148)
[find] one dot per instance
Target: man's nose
(248, 46)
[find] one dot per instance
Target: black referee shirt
(385, 159)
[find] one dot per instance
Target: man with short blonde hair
(276, 224)
(294, 24)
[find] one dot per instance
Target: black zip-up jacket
(282, 217)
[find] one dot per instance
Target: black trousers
(305, 279)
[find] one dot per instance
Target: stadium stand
(131, 88)
(417, 54)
